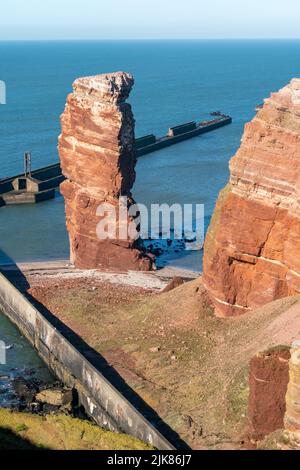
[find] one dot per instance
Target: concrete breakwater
(177, 134)
(39, 185)
(101, 400)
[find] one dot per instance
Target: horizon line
(153, 39)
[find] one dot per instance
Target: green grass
(22, 431)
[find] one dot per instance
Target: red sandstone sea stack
(97, 155)
(252, 250)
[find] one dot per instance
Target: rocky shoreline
(33, 396)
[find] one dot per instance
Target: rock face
(252, 250)
(292, 416)
(97, 157)
(268, 381)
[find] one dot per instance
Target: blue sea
(21, 360)
(175, 82)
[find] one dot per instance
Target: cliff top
(109, 87)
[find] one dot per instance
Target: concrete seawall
(101, 400)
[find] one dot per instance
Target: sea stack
(97, 155)
(252, 249)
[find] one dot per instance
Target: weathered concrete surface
(252, 249)
(98, 158)
(268, 381)
(100, 399)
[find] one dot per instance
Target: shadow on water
(96, 359)
(9, 268)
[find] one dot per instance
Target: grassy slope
(190, 366)
(23, 431)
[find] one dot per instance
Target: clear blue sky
(116, 19)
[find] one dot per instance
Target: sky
(149, 19)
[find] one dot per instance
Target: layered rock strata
(252, 249)
(96, 149)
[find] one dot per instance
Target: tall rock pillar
(96, 149)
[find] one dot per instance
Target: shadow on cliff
(16, 277)
(12, 272)
(11, 441)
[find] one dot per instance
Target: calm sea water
(175, 82)
(21, 361)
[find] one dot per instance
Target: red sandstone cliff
(292, 416)
(97, 156)
(252, 250)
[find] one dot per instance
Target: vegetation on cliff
(25, 431)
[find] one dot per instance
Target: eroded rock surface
(252, 250)
(97, 157)
(268, 381)
(292, 416)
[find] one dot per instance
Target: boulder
(56, 397)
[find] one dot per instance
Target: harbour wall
(169, 140)
(101, 400)
(51, 176)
